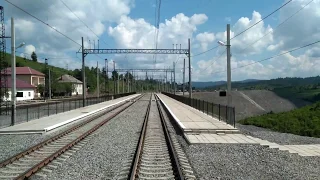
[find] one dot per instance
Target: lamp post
(13, 73)
(228, 66)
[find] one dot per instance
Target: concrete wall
(28, 94)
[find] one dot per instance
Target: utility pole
(174, 76)
(118, 84)
(228, 68)
(84, 86)
(183, 75)
(114, 78)
(106, 83)
(122, 84)
(46, 83)
(13, 74)
(189, 56)
(165, 85)
(128, 82)
(132, 83)
(98, 84)
(49, 83)
(171, 81)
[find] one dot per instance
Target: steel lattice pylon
(3, 67)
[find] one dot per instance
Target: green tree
(40, 89)
(34, 57)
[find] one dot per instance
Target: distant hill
(207, 84)
(201, 85)
(272, 83)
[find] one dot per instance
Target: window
(19, 94)
(29, 93)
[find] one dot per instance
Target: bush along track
(304, 121)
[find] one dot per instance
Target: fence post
(48, 109)
(56, 107)
(234, 117)
(227, 114)
(27, 113)
(207, 108)
(38, 112)
(75, 104)
(219, 112)
(69, 104)
(212, 108)
(62, 106)
(203, 106)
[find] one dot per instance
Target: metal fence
(219, 111)
(29, 112)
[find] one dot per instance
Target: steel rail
(174, 157)
(172, 153)
(46, 161)
(60, 135)
(134, 166)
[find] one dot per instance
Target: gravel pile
(229, 161)
(244, 108)
(270, 101)
(15, 143)
(277, 137)
(103, 157)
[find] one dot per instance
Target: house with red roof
(25, 91)
(28, 75)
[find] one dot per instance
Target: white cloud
(205, 39)
(302, 29)
(47, 41)
(29, 49)
(239, 44)
(137, 33)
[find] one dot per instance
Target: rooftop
(19, 84)
(69, 78)
(24, 71)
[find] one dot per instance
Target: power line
(271, 57)
(215, 59)
(82, 21)
(205, 51)
(278, 25)
(247, 28)
(43, 22)
(261, 20)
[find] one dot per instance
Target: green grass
(304, 121)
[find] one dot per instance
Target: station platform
(52, 122)
(200, 128)
(192, 120)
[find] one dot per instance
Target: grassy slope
(306, 94)
(35, 65)
(303, 121)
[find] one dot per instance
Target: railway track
(158, 154)
(47, 155)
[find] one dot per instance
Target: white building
(77, 84)
(25, 91)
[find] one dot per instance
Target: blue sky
(130, 24)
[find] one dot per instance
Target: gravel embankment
(276, 137)
(230, 161)
(103, 156)
(15, 143)
(243, 107)
(268, 100)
